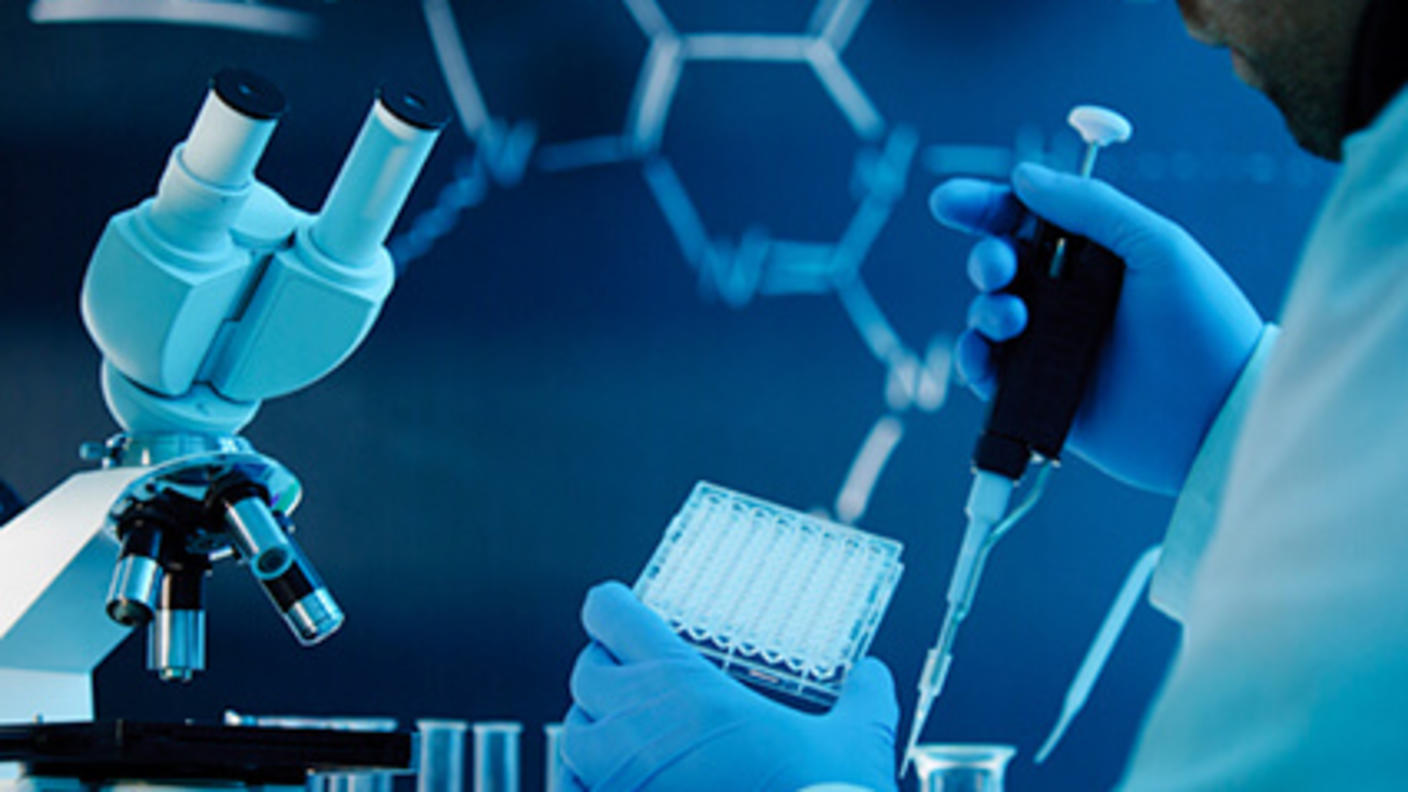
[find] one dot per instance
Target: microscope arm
(56, 562)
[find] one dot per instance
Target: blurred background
(570, 349)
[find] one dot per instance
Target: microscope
(204, 299)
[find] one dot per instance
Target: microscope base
(34, 784)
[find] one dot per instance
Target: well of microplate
(778, 598)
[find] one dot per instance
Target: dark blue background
(545, 387)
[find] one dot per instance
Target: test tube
(957, 767)
(440, 756)
(496, 756)
(552, 757)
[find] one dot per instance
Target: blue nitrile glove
(651, 713)
(1182, 332)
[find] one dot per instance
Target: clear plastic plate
(778, 598)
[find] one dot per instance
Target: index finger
(629, 630)
(974, 206)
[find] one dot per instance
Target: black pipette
(1071, 287)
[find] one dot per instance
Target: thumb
(627, 627)
(869, 695)
(1093, 209)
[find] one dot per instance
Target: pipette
(1101, 648)
(1071, 287)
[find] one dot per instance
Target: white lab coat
(1293, 669)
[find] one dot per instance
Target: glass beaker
(440, 755)
(552, 757)
(959, 767)
(496, 756)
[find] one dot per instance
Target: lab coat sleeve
(1195, 513)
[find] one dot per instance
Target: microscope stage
(124, 750)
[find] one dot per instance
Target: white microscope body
(204, 299)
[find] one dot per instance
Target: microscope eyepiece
(232, 128)
(377, 176)
(413, 107)
(249, 93)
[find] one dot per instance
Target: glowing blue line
(822, 16)
(935, 375)
(454, 64)
(204, 13)
(865, 227)
(585, 153)
(886, 182)
(679, 212)
(649, 18)
(507, 152)
(875, 330)
(845, 91)
(746, 47)
(877, 448)
(777, 284)
(798, 268)
(736, 276)
(655, 89)
(947, 159)
(835, 21)
(897, 159)
(467, 189)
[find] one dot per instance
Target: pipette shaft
(987, 504)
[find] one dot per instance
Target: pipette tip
(915, 728)
(1046, 749)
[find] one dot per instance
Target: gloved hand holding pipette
(651, 713)
(1182, 332)
(1079, 351)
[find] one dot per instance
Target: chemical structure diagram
(736, 271)
(756, 265)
